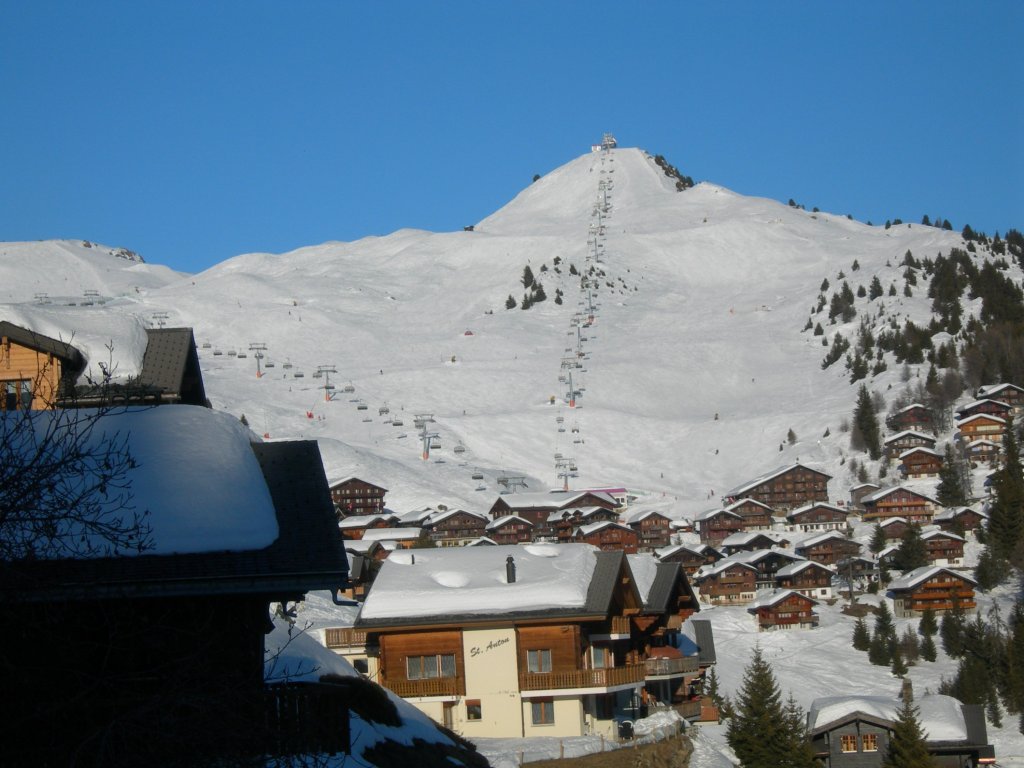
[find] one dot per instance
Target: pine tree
(538, 292)
(950, 492)
(1015, 663)
(899, 666)
(865, 434)
(928, 650)
(510, 303)
(910, 646)
(908, 746)
(762, 732)
(928, 626)
(951, 630)
(1006, 513)
(912, 552)
(527, 278)
(861, 635)
(875, 289)
(245, 421)
(878, 540)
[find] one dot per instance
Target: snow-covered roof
(984, 401)
(707, 515)
(929, 535)
(920, 449)
(392, 534)
(979, 416)
(910, 407)
(950, 513)
(815, 505)
(642, 514)
(982, 442)
(472, 581)
(589, 528)
(361, 546)
(910, 433)
(747, 500)
(361, 521)
(417, 516)
(821, 538)
(722, 565)
(439, 516)
(742, 538)
(892, 521)
(768, 599)
(893, 489)
(941, 717)
(350, 478)
(553, 500)
(987, 390)
(498, 522)
(194, 472)
(771, 475)
(920, 575)
(645, 569)
(800, 565)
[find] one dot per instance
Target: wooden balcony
(437, 686)
(305, 718)
(671, 667)
(344, 637)
(690, 710)
(582, 678)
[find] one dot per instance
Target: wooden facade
(806, 577)
(355, 527)
(817, 517)
(859, 492)
(784, 610)
(785, 489)
(715, 525)
(960, 519)
(899, 501)
(828, 548)
(690, 559)
(455, 528)
(728, 583)
(353, 496)
(905, 440)
(913, 417)
(983, 452)
(510, 529)
(920, 462)
(537, 507)
(932, 587)
(653, 529)
(756, 516)
(609, 536)
(980, 427)
(944, 548)
(35, 370)
(986, 406)
(1010, 394)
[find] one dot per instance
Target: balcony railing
(344, 637)
(305, 718)
(438, 686)
(582, 678)
(661, 667)
(689, 709)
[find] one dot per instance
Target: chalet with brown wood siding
(858, 492)
(715, 524)
(894, 528)
(944, 548)
(354, 496)
(920, 462)
(960, 519)
(537, 507)
(749, 541)
(784, 489)
(727, 582)
(983, 452)
(756, 516)
(1010, 394)
(355, 526)
(510, 529)
(828, 548)
(784, 609)
(934, 587)
(608, 536)
(455, 527)
(690, 558)
(905, 440)
(817, 517)
(986, 406)
(653, 530)
(806, 577)
(899, 501)
(913, 417)
(980, 427)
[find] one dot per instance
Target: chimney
(510, 570)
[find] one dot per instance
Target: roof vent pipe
(510, 570)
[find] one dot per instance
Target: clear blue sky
(194, 131)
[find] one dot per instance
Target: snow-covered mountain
(701, 296)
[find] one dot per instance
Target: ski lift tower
(608, 142)
(42, 298)
(160, 319)
(258, 348)
(568, 363)
(566, 467)
(328, 388)
(427, 437)
(512, 482)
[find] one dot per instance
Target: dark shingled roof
(171, 365)
(308, 554)
(705, 639)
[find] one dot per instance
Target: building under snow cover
(114, 656)
(526, 640)
(855, 730)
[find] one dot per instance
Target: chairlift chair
(241, 355)
(397, 423)
(269, 364)
(460, 448)
(349, 388)
(206, 345)
(477, 476)
(217, 352)
(383, 410)
(299, 375)
(286, 365)
(328, 387)
(362, 407)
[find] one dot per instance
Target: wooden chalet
(537, 507)
(767, 562)
(653, 529)
(689, 558)
(858, 492)
(905, 440)
(784, 489)
(749, 541)
(353, 496)
(727, 582)
(455, 527)
(513, 641)
(899, 501)
(986, 406)
(510, 529)
(914, 417)
(397, 538)
(933, 586)
(920, 462)
(1010, 394)
(35, 370)
(806, 577)
(355, 526)
(784, 609)
(959, 520)
(828, 548)
(817, 517)
(980, 427)
(756, 516)
(856, 731)
(944, 548)
(561, 524)
(859, 568)
(158, 658)
(715, 524)
(894, 528)
(983, 452)
(608, 536)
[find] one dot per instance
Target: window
(869, 742)
(602, 658)
(473, 709)
(429, 667)
(543, 711)
(17, 395)
(848, 743)
(539, 661)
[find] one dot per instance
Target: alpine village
(581, 497)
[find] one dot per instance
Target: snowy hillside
(700, 310)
